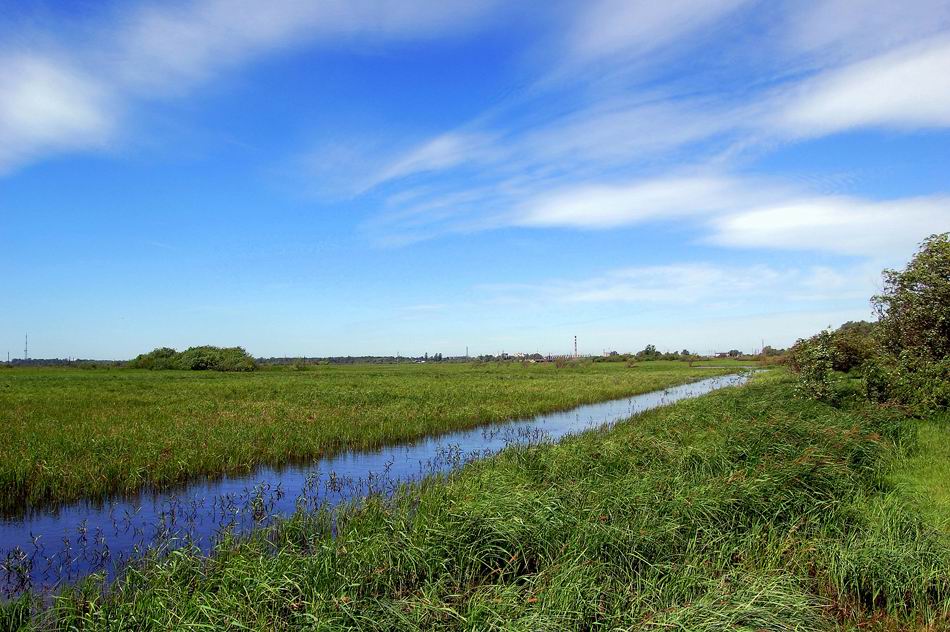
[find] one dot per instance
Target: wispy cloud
(607, 206)
(50, 105)
(905, 89)
(605, 162)
(635, 27)
(697, 284)
(840, 30)
(844, 225)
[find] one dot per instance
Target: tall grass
(747, 509)
(69, 434)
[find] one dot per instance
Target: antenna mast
(26, 347)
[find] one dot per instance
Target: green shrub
(204, 358)
(854, 344)
(813, 360)
(914, 307)
(913, 367)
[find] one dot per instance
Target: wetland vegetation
(747, 509)
(71, 434)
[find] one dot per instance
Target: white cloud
(710, 285)
(442, 152)
(747, 213)
(164, 49)
(606, 206)
(48, 106)
(843, 29)
(170, 43)
(836, 224)
(607, 27)
(905, 89)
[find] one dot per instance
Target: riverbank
(746, 509)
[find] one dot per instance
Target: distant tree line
(55, 362)
(204, 358)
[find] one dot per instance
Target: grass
(747, 509)
(926, 473)
(70, 433)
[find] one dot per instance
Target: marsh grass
(925, 475)
(71, 434)
(747, 509)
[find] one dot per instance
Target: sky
(348, 177)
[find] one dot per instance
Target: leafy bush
(813, 360)
(914, 308)
(904, 380)
(158, 359)
(854, 344)
(905, 356)
(204, 358)
(913, 332)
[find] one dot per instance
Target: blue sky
(371, 177)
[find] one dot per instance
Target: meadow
(748, 509)
(71, 433)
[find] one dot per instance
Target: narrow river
(49, 548)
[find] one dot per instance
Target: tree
(913, 333)
(914, 307)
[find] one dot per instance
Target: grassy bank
(747, 509)
(70, 433)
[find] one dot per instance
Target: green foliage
(904, 357)
(914, 307)
(748, 509)
(913, 368)
(918, 385)
(854, 344)
(813, 360)
(161, 358)
(205, 358)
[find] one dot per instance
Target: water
(47, 549)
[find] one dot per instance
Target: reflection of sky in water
(74, 540)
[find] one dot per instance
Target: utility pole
(26, 347)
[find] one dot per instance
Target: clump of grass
(747, 509)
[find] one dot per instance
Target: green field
(70, 433)
(748, 509)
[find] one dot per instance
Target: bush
(913, 367)
(854, 344)
(914, 308)
(813, 360)
(204, 358)
(907, 381)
